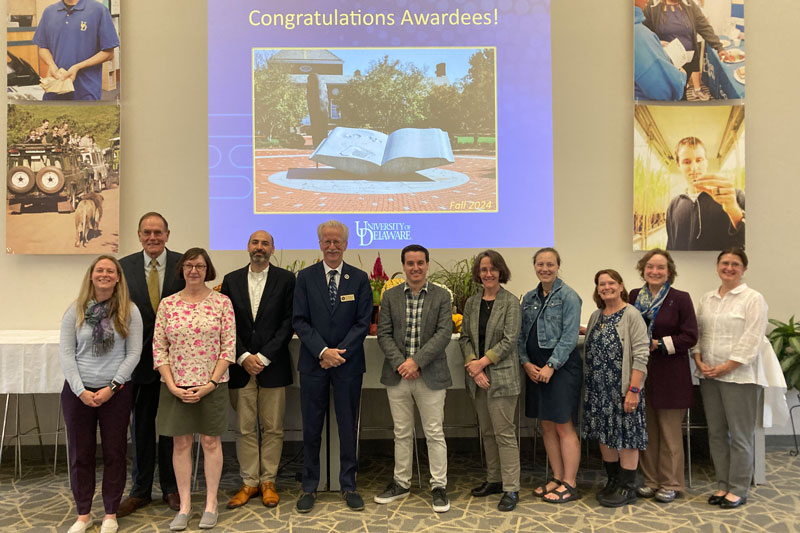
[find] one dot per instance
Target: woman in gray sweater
(616, 352)
(101, 339)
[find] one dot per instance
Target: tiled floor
(42, 502)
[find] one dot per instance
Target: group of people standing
(153, 315)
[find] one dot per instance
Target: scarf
(648, 305)
(96, 316)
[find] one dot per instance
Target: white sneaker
(109, 526)
(80, 526)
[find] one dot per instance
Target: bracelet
(214, 383)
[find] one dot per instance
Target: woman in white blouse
(731, 321)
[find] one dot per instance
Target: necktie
(332, 288)
(152, 284)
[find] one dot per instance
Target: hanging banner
(63, 142)
(689, 88)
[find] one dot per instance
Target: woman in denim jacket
(549, 355)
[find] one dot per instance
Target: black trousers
(144, 441)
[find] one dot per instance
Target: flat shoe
(109, 525)
(208, 520)
(716, 500)
(645, 492)
(180, 521)
(80, 526)
(727, 504)
(486, 489)
(666, 495)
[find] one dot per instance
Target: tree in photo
(444, 110)
(388, 97)
(478, 98)
(278, 104)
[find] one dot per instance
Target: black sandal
(564, 496)
(544, 487)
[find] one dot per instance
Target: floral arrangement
(377, 279)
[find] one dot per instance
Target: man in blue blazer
(151, 276)
(332, 312)
(261, 295)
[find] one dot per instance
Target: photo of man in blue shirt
(77, 36)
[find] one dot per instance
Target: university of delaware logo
(83, 25)
(368, 232)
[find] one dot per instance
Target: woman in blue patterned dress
(616, 353)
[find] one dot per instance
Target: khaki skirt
(209, 416)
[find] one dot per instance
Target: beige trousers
(496, 418)
(267, 405)
(430, 404)
(662, 461)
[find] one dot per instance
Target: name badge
(348, 297)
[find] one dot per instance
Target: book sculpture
(371, 153)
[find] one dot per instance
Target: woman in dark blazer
(489, 343)
(672, 328)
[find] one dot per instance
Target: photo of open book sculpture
(375, 155)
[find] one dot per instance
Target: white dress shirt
(732, 327)
(256, 281)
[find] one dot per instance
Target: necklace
(489, 304)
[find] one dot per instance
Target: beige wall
(164, 160)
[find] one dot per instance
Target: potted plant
(785, 339)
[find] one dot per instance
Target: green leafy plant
(458, 279)
(785, 339)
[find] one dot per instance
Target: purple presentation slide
(411, 122)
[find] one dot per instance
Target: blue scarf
(648, 305)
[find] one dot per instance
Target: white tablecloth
(29, 362)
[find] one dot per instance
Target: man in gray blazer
(414, 329)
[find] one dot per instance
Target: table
(29, 365)
(718, 76)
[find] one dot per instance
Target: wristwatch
(114, 386)
(551, 365)
(635, 390)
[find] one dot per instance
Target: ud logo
(83, 25)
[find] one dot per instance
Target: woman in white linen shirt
(732, 321)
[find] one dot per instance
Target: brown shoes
(173, 500)
(269, 496)
(130, 504)
(242, 497)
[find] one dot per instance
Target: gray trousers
(498, 428)
(731, 412)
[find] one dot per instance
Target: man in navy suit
(151, 276)
(262, 302)
(332, 312)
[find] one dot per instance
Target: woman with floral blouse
(193, 344)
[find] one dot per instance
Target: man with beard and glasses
(262, 302)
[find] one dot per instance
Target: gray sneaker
(180, 521)
(666, 495)
(440, 502)
(645, 492)
(393, 492)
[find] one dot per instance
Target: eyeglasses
(188, 268)
(334, 243)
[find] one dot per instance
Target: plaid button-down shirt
(413, 315)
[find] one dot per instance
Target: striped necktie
(152, 284)
(332, 288)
